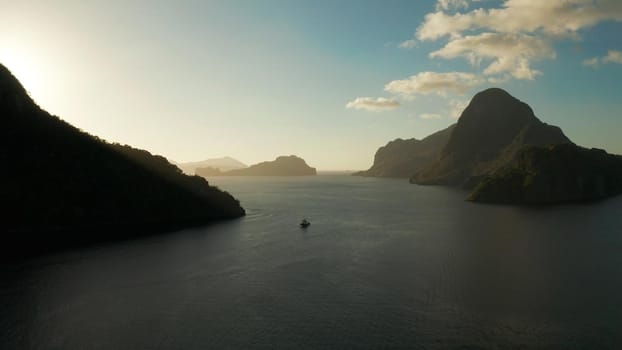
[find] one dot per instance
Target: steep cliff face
(488, 133)
(61, 186)
(281, 166)
(402, 158)
(553, 174)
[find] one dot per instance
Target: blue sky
(326, 80)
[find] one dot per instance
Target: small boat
(304, 223)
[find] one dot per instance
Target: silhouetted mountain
(553, 174)
(222, 164)
(60, 186)
(402, 158)
(281, 166)
(492, 128)
(208, 171)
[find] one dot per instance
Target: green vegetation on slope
(553, 174)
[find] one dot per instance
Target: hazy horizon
(329, 82)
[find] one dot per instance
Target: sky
(330, 81)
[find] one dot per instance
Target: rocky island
(491, 129)
(222, 164)
(502, 152)
(281, 166)
(61, 186)
(402, 158)
(553, 174)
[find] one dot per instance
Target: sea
(384, 265)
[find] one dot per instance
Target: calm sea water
(384, 264)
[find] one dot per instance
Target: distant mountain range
(496, 138)
(61, 186)
(281, 166)
(222, 164)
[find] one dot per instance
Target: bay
(384, 264)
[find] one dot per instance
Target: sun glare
(23, 68)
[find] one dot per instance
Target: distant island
(402, 158)
(336, 172)
(505, 154)
(222, 164)
(281, 166)
(61, 186)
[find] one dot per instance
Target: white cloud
(487, 33)
(408, 44)
(373, 104)
(430, 116)
(592, 62)
(451, 5)
(613, 56)
(511, 53)
(553, 17)
(507, 40)
(426, 83)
